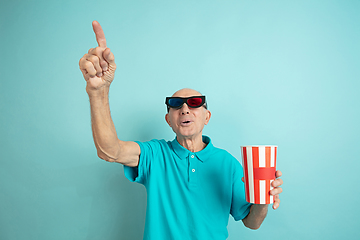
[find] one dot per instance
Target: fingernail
(104, 69)
(99, 74)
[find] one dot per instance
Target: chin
(187, 134)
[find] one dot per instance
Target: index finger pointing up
(100, 36)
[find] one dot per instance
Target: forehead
(186, 92)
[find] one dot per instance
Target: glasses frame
(203, 103)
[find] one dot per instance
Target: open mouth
(186, 123)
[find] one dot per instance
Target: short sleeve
(140, 173)
(240, 208)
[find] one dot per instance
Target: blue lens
(175, 102)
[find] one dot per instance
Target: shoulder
(227, 159)
(219, 152)
(216, 152)
(229, 163)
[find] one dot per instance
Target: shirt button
(193, 170)
(192, 156)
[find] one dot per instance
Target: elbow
(111, 158)
(108, 152)
(253, 225)
(106, 157)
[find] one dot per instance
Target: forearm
(256, 216)
(103, 129)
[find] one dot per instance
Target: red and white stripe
(259, 164)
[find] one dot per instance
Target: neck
(192, 144)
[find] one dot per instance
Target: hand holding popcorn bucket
(259, 164)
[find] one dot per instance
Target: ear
(207, 117)
(167, 119)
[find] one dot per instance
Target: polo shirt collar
(202, 155)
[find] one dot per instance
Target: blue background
(274, 72)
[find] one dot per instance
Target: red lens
(194, 102)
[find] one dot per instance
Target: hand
(98, 65)
(276, 188)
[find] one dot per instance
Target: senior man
(192, 186)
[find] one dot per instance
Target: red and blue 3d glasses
(192, 102)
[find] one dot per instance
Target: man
(192, 186)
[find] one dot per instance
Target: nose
(185, 109)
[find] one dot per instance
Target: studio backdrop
(282, 73)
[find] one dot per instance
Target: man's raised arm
(98, 67)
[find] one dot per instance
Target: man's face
(187, 122)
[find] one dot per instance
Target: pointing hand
(98, 65)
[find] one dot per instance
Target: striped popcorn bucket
(259, 164)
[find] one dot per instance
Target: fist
(98, 65)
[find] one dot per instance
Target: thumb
(109, 56)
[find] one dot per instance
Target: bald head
(186, 92)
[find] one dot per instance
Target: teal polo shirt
(189, 194)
